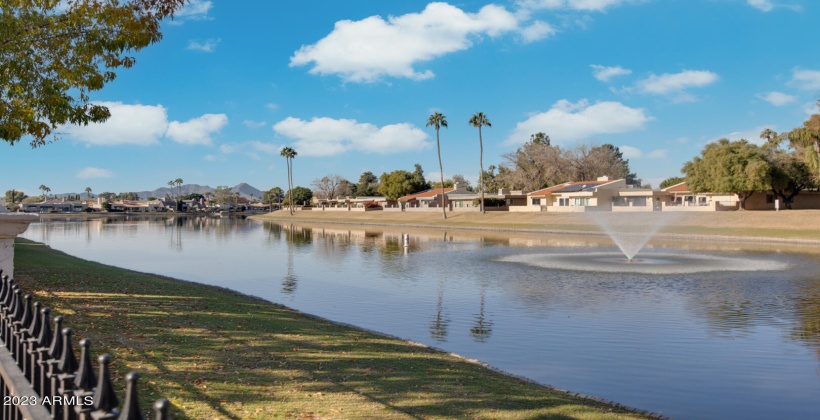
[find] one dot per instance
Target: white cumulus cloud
(657, 154)
(197, 130)
(777, 98)
(209, 45)
(195, 10)
(805, 79)
(324, 136)
(675, 83)
(568, 122)
(605, 74)
(630, 152)
(129, 124)
(94, 173)
(372, 48)
(537, 30)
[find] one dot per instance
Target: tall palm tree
(478, 120)
(87, 193)
(437, 120)
(178, 182)
(45, 191)
(288, 153)
(171, 184)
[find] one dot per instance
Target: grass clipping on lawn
(215, 353)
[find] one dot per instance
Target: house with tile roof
(680, 198)
(579, 196)
(427, 200)
(54, 205)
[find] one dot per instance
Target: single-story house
(579, 196)
(54, 205)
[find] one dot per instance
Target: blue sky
(350, 85)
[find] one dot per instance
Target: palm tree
(171, 184)
(478, 120)
(45, 191)
(178, 182)
(437, 120)
(87, 193)
(288, 153)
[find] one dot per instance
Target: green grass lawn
(215, 353)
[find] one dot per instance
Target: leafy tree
(540, 138)
(193, 196)
(14, 196)
(668, 182)
(301, 195)
(736, 167)
(53, 54)
(450, 182)
(807, 140)
(131, 196)
(288, 153)
(368, 185)
(479, 120)
(222, 194)
(489, 176)
(418, 175)
(107, 196)
(438, 120)
(274, 195)
(347, 189)
(790, 176)
(400, 183)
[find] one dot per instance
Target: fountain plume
(631, 231)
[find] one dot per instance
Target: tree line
(785, 165)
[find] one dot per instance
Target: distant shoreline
(792, 226)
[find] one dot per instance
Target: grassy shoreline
(216, 353)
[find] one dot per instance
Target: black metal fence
(40, 376)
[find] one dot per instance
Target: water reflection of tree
(807, 308)
(438, 328)
(482, 327)
(290, 281)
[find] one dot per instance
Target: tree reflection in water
(483, 327)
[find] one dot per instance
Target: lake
(737, 338)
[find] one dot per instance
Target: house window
(563, 202)
(581, 201)
(769, 199)
(536, 201)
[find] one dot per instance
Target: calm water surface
(719, 344)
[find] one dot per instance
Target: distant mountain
(244, 189)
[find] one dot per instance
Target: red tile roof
(678, 188)
(427, 193)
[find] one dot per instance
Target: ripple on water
(654, 263)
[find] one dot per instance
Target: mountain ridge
(244, 189)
